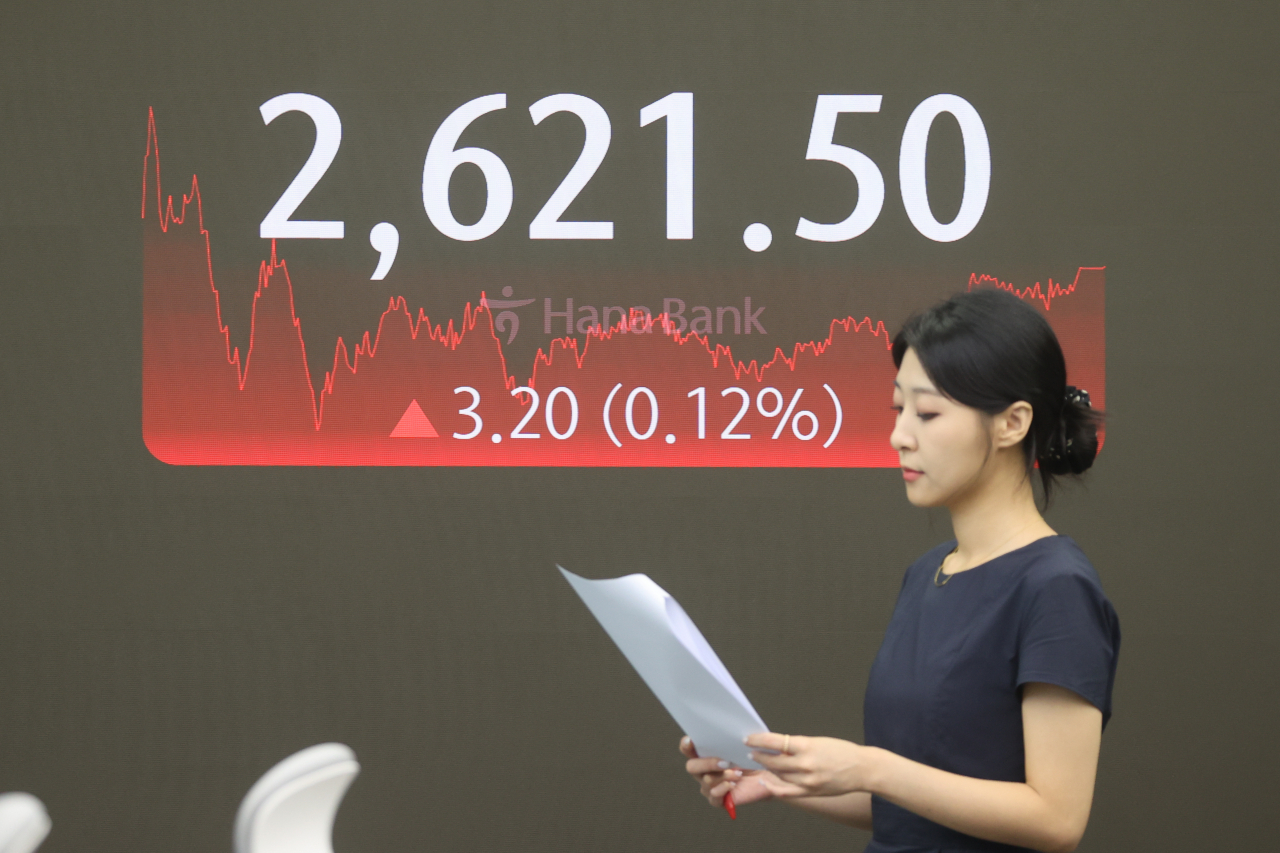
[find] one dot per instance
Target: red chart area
(414, 392)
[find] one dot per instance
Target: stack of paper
(675, 660)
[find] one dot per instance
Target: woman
(985, 705)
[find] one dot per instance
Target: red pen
(729, 807)
(727, 800)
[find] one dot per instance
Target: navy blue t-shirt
(944, 688)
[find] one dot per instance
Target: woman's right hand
(715, 780)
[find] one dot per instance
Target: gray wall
(169, 633)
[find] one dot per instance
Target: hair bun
(1074, 444)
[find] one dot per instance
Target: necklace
(939, 580)
(938, 573)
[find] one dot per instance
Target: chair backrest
(292, 807)
(24, 823)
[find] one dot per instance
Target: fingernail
(722, 764)
(737, 773)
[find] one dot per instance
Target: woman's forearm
(1008, 812)
(850, 809)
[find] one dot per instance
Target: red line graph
(1044, 296)
(626, 395)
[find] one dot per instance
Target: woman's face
(943, 446)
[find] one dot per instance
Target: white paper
(674, 659)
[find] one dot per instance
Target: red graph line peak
(164, 210)
(1046, 295)
(165, 216)
(447, 336)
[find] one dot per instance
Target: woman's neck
(996, 517)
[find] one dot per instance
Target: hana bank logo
(506, 320)
(676, 317)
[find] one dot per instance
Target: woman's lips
(910, 474)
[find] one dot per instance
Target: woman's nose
(900, 439)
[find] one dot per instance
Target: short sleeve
(1071, 638)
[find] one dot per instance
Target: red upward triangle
(414, 424)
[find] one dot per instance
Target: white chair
(292, 807)
(24, 823)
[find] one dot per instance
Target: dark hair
(987, 349)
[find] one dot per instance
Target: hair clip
(1078, 395)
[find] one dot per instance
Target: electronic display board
(622, 384)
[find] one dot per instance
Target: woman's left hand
(812, 766)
